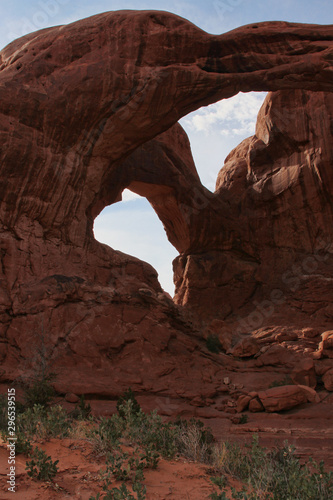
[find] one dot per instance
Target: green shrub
(128, 396)
(150, 458)
(243, 419)
(30, 423)
(105, 437)
(123, 493)
(41, 467)
(157, 435)
(220, 482)
(23, 445)
(121, 468)
(82, 410)
(39, 390)
(213, 344)
(275, 475)
(43, 423)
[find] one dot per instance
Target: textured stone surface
(282, 398)
(325, 347)
(82, 110)
(278, 261)
(304, 373)
(255, 405)
(245, 348)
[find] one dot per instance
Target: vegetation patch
(265, 474)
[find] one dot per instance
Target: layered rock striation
(91, 108)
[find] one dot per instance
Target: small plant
(23, 445)
(39, 390)
(150, 458)
(220, 482)
(106, 437)
(194, 440)
(57, 423)
(116, 468)
(243, 419)
(157, 435)
(41, 467)
(123, 493)
(274, 475)
(42, 423)
(128, 396)
(213, 344)
(279, 383)
(82, 410)
(30, 423)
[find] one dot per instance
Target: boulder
(282, 398)
(71, 398)
(311, 395)
(256, 405)
(276, 355)
(242, 403)
(326, 345)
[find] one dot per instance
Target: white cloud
(234, 116)
(129, 195)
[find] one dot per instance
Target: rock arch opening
(214, 131)
(133, 227)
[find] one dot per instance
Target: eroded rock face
(278, 185)
(76, 103)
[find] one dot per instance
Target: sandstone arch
(76, 102)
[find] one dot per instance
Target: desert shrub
(194, 440)
(157, 435)
(125, 398)
(41, 466)
(41, 423)
(123, 493)
(121, 468)
(150, 458)
(105, 437)
(57, 422)
(82, 410)
(274, 475)
(243, 419)
(213, 344)
(23, 445)
(220, 482)
(38, 390)
(30, 423)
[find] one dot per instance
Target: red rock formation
(75, 103)
(277, 185)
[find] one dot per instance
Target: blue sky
(131, 226)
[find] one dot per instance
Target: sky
(131, 225)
